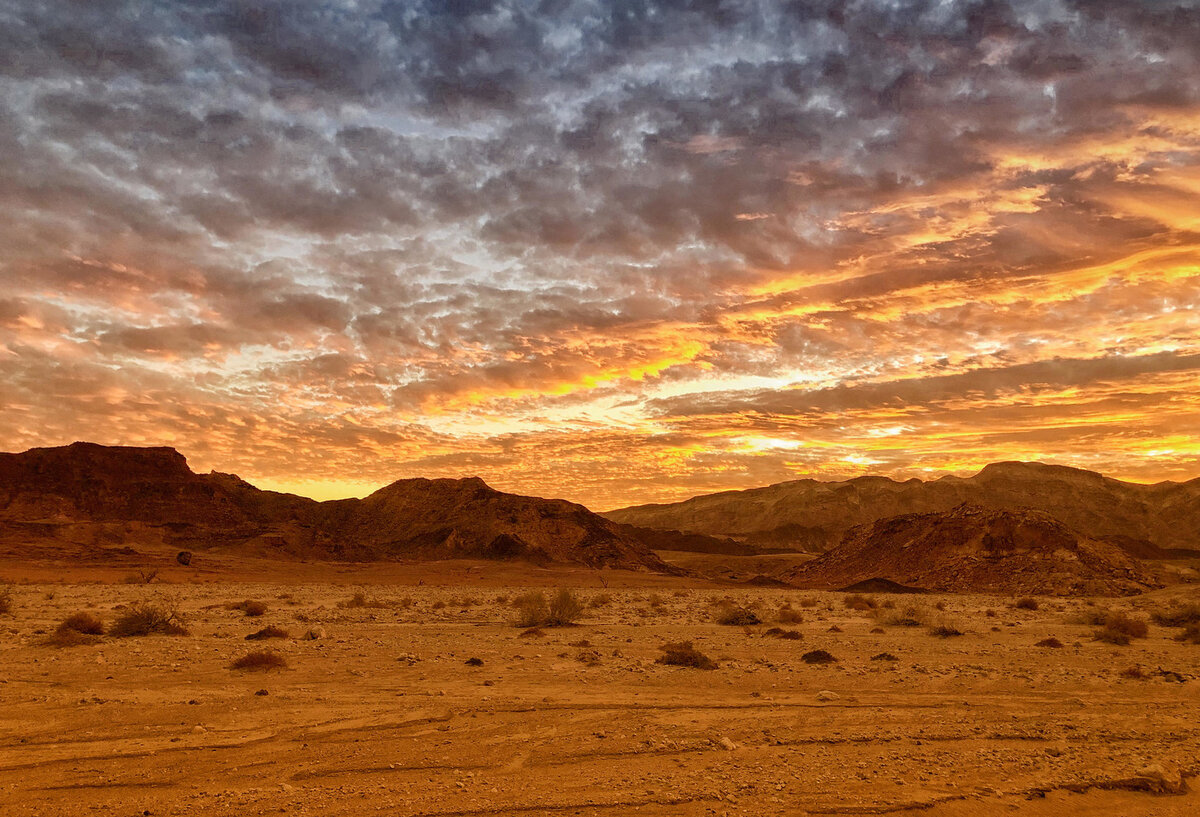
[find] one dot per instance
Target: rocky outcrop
(105, 497)
(813, 515)
(970, 549)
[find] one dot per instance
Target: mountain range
(1150, 521)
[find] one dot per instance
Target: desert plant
(357, 600)
(884, 656)
(789, 615)
(147, 618)
(909, 616)
(565, 609)
(259, 660)
(249, 607)
(858, 602)
(1051, 643)
(1026, 603)
(1177, 616)
(807, 601)
(531, 608)
(1133, 674)
(683, 654)
(734, 616)
(818, 657)
(786, 635)
(270, 631)
(1119, 628)
(945, 630)
(6, 605)
(1190, 634)
(83, 622)
(600, 600)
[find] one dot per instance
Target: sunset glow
(617, 253)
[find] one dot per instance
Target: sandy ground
(383, 716)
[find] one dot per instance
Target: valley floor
(383, 716)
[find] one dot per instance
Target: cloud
(501, 229)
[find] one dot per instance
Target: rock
(826, 695)
(726, 744)
(184, 557)
(1159, 778)
(315, 634)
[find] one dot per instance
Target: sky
(616, 252)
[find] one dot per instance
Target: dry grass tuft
(6, 606)
(1190, 635)
(1051, 643)
(734, 616)
(249, 607)
(146, 618)
(1027, 603)
(83, 622)
(884, 656)
(789, 615)
(600, 600)
(270, 631)
(818, 657)
(260, 660)
(683, 654)
(945, 629)
(859, 602)
(563, 610)
(1120, 628)
(1184, 616)
(786, 635)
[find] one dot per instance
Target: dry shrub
(1133, 674)
(147, 618)
(533, 610)
(807, 601)
(260, 660)
(945, 629)
(1119, 628)
(789, 615)
(786, 635)
(600, 600)
(909, 616)
(437, 605)
(1026, 603)
(270, 631)
(249, 607)
(683, 654)
(818, 657)
(83, 622)
(1051, 643)
(6, 605)
(357, 600)
(734, 616)
(1190, 635)
(474, 662)
(141, 577)
(1184, 616)
(859, 602)
(884, 656)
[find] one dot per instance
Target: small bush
(1190, 635)
(909, 616)
(733, 616)
(437, 605)
(270, 631)
(1177, 616)
(260, 660)
(1119, 628)
(565, 609)
(357, 600)
(858, 602)
(683, 654)
(86, 623)
(600, 600)
(249, 607)
(808, 601)
(474, 662)
(5, 600)
(884, 656)
(945, 629)
(145, 618)
(1027, 603)
(818, 657)
(786, 635)
(1051, 643)
(789, 615)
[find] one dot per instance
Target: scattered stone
(315, 634)
(826, 695)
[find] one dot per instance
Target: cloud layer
(619, 252)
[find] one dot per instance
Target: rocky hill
(812, 515)
(978, 550)
(92, 496)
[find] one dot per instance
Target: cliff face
(91, 495)
(974, 549)
(814, 515)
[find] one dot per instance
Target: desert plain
(381, 713)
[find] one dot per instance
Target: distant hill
(93, 496)
(970, 549)
(812, 515)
